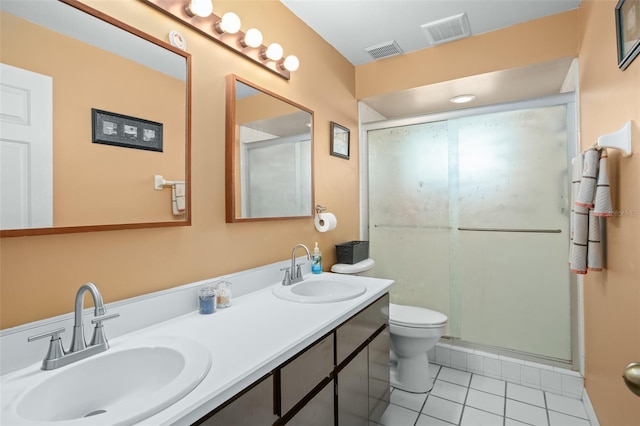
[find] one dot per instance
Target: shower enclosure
(469, 212)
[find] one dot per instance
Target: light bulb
(230, 23)
(291, 63)
(202, 8)
(252, 38)
(274, 52)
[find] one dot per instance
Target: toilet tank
(364, 268)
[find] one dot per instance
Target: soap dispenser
(316, 260)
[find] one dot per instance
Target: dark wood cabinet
(341, 379)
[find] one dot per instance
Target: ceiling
(351, 26)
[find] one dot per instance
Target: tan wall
(608, 98)
(39, 275)
(97, 183)
(524, 44)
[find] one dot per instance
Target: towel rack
(620, 140)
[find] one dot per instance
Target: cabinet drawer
(299, 376)
(357, 330)
(252, 407)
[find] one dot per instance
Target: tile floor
(466, 399)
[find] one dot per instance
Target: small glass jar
(207, 299)
(224, 294)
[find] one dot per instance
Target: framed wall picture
(110, 128)
(627, 31)
(339, 141)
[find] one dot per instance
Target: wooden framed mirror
(91, 61)
(269, 155)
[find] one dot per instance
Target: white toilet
(414, 331)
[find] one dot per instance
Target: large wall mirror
(60, 61)
(269, 155)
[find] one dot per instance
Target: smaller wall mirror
(269, 155)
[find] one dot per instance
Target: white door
(26, 149)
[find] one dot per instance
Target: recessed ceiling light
(462, 99)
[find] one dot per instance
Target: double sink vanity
(312, 353)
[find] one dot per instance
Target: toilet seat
(412, 316)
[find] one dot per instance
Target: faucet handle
(98, 332)
(287, 276)
(55, 334)
(299, 270)
(98, 320)
(55, 345)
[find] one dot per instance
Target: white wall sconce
(202, 8)
(273, 52)
(230, 23)
(198, 15)
(252, 38)
(290, 63)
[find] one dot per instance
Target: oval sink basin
(118, 387)
(320, 291)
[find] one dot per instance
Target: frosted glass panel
(418, 260)
(409, 212)
(408, 168)
(513, 169)
(514, 292)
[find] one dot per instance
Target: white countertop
(257, 333)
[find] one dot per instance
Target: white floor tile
(451, 375)
(559, 419)
(473, 417)
(450, 391)
(441, 409)
(424, 420)
(487, 384)
(434, 370)
(412, 401)
(511, 422)
(526, 413)
(395, 415)
(566, 405)
(525, 394)
(486, 401)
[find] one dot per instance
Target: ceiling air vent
(384, 50)
(447, 29)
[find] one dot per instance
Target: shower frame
(575, 284)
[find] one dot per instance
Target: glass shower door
(470, 217)
(511, 231)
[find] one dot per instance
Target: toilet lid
(356, 268)
(412, 316)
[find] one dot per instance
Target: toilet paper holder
(320, 209)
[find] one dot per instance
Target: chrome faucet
(56, 356)
(293, 274)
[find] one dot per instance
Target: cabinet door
(318, 411)
(357, 330)
(301, 375)
(379, 387)
(252, 407)
(353, 392)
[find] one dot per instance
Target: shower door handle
(539, 231)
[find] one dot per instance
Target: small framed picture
(627, 31)
(109, 128)
(339, 141)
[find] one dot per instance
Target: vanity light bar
(247, 44)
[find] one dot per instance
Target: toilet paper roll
(326, 222)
